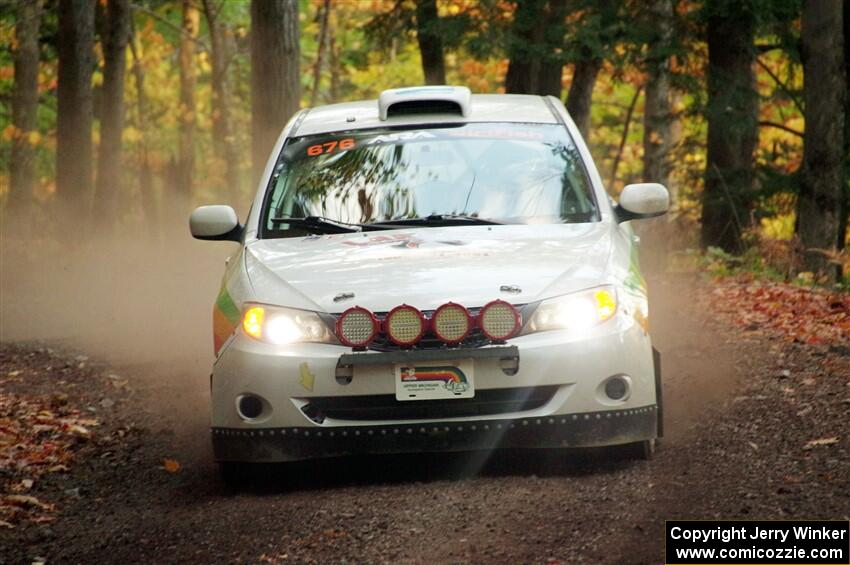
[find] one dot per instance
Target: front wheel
(233, 474)
(643, 450)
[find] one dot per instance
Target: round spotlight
(404, 325)
(616, 388)
(451, 322)
(499, 320)
(356, 327)
(249, 406)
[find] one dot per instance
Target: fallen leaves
(803, 314)
(26, 501)
(37, 436)
(171, 465)
(820, 442)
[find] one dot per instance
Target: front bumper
(323, 400)
(611, 427)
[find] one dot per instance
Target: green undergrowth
(752, 264)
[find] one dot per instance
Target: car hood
(426, 267)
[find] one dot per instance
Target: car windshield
(498, 172)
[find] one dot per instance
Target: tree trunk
(732, 114)
(526, 34)
(322, 41)
(536, 33)
(224, 145)
(334, 53)
(624, 137)
(845, 195)
(275, 74)
(147, 197)
(74, 120)
(581, 93)
(430, 42)
(551, 71)
(188, 74)
(24, 104)
(549, 79)
(114, 45)
(822, 179)
(659, 131)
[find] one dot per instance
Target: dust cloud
(141, 304)
(144, 306)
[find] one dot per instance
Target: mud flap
(656, 363)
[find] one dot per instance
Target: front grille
(382, 342)
(486, 402)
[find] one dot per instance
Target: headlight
(280, 326)
(578, 311)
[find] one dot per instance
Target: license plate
(434, 380)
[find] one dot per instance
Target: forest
(118, 117)
(120, 113)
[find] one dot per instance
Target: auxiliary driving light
(616, 388)
(451, 322)
(405, 325)
(249, 406)
(499, 320)
(356, 327)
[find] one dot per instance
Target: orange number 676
(330, 147)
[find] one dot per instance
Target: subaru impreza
(433, 270)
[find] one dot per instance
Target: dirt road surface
(743, 409)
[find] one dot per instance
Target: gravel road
(742, 409)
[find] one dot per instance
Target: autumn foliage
(803, 314)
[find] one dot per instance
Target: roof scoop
(424, 100)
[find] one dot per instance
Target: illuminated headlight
(280, 326)
(578, 311)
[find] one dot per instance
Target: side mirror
(215, 223)
(642, 200)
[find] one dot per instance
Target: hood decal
(401, 241)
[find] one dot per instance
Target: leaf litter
(809, 315)
(37, 436)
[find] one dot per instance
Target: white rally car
(433, 270)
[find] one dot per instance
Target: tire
(233, 474)
(642, 450)
(659, 395)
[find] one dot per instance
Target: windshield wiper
(439, 220)
(319, 224)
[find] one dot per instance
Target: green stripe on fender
(225, 303)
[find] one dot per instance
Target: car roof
(516, 108)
